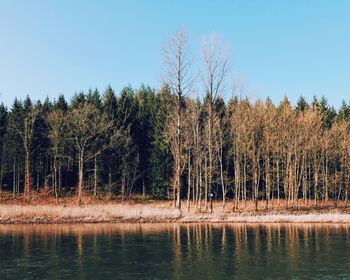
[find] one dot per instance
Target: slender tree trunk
(178, 185)
(175, 190)
(236, 180)
(326, 178)
(286, 183)
(278, 182)
(80, 176)
(55, 176)
(144, 188)
(195, 181)
(267, 181)
(273, 182)
(189, 181)
(245, 179)
(193, 185)
(347, 189)
(59, 176)
(200, 186)
(110, 182)
(205, 183)
(315, 181)
(178, 162)
(14, 177)
(299, 177)
(223, 188)
(123, 187)
(309, 185)
(95, 177)
(256, 181)
(18, 181)
(37, 180)
(27, 174)
(1, 175)
(210, 152)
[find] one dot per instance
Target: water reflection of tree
(208, 250)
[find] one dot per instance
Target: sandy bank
(139, 213)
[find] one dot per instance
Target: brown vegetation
(45, 209)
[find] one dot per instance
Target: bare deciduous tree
(178, 75)
(25, 129)
(86, 126)
(57, 122)
(215, 60)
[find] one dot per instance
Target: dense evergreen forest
(168, 144)
(121, 145)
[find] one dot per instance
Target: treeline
(167, 144)
(105, 145)
(122, 145)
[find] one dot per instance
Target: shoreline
(149, 213)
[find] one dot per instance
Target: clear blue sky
(278, 47)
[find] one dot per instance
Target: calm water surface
(165, 251)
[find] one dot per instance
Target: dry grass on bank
(153, 213)
(42, 208)
(87, 213)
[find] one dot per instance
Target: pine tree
(161, 161)
(302, 104)
(127, 151)
(3, 128)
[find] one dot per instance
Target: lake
(175, 251)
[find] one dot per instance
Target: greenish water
(165, 251)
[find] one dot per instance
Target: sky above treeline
(278, 48)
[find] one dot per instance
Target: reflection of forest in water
(212, 251)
